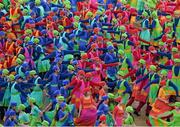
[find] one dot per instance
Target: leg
(148, 109)
(139, 107)
(131, 100)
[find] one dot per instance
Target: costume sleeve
(152, 82)
(169, 67)
(132, 72)
(129, 63)
(18, 87)
(143, 78)
(128, 88)
(153, 24)
(164, 54)
(52, 55)
(110, 65)
(147, 24)
(174, 87)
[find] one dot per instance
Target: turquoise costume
(6, 98)
(34, 117)
(15, 95)
(37, 93)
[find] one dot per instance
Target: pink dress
(118, 116)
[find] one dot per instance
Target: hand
(41, 114)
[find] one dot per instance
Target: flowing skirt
(87, 118)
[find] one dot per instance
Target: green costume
(34, 117)
(176, 79)
(121, 89)
(6, 97)
(42, 66)
(157, 30)
(37, 93)
(23, 118)
(15, 95)
(145, 34)
(140, 5)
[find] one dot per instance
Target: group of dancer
(85, 62)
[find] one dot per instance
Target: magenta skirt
(87, 118)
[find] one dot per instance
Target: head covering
(174, 49)
(5, 72)
(74, 62)
(142, 61)
(21, 56)
(25, 65)
(11, 77)
(36, 40)
(19, 61)
(89, 14)
(129, 109)
(27, 39)
(60, 98)
(121, 73)
(110, 47)
(28, 31)
(61, 27)
(55, 68)
(63, 104)
(104, 98)
(37, 2)
(70, 67)
(21, 107)
(65, 82)
(55, 32)
(153, 68)
(164, 72)
(81, 72)
(102, 118)
(68, 57)
(33, 72)
(77, 18)
(32, 100)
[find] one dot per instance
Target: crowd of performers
(84, 62)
